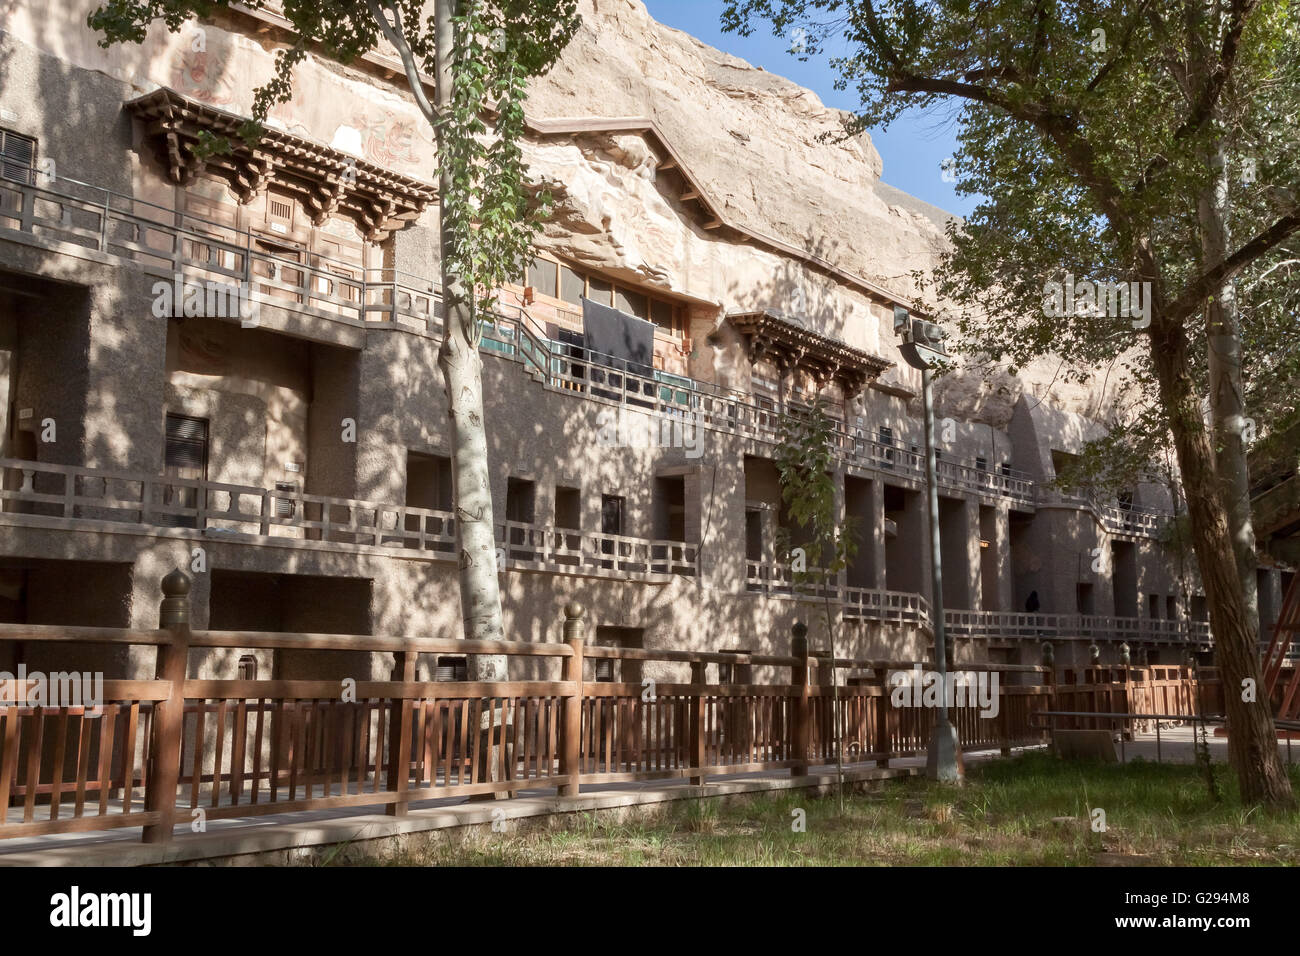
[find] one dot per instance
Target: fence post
(571, 727)
(883, 744)
(1049, 679)
(696, 724)
(799, 678)
(399, 738)
(1004, 724)
(169, 714)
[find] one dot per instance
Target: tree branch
(1209, 282)
(1203, 106)
(1119, 54)
(1057, 126)
(394, 34)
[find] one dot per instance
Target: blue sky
(913, 149)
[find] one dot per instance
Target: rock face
(752, 136)
(755, 140)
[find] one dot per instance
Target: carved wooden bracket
(253, 176)
(324, 200)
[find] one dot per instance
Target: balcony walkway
(41, 494)
(79, 219)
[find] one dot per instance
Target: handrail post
(799, 680)
(169, 714)
(1004, 727)
(399, 738)
(571, 727)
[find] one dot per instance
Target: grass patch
(1032, 810)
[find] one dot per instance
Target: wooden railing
(86, 766)
(170, 242)
(176, 750)
(1124, 689)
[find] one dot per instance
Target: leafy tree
(805, 462)
(1149, 141)
(481, 55)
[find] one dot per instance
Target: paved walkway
(295, 831)
(1178, 745)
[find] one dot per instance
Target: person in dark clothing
(1032, 605)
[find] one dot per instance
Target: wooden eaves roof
(789, 344)
(328, 180)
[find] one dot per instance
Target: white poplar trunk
(1227, 396)
(462, 370)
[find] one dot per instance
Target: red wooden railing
(174, 749)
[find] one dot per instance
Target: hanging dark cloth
(620, 336)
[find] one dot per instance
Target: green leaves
(489, 207)
(805, 462)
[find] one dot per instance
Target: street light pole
(922, 347)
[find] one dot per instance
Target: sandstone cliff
(752, 136)
(755, 139)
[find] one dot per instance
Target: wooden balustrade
(160, 751)
(1122, 689)
(237, 748)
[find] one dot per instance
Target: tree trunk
(462, 370)
(1227, 395)
(1252, 738)
(480, 598)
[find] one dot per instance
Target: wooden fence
(157, 752)
(1122, 689)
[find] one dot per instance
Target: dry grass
(1033, 810)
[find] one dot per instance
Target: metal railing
(907, 607)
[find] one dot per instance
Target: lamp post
(922, 348)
